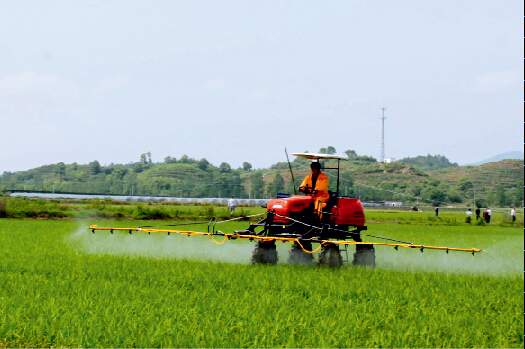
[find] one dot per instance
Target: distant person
(436, 212)
(478, 213)
(232, 204)
(513, 214)
(489, 214)
(469, 216)
(486, 216)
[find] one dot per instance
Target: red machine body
(348, 212)
(287, 207)
(345, 211)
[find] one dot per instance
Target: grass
(62, 286)
(22, 207)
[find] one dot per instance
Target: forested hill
(498, 183)
(429, 162)
(504, 173)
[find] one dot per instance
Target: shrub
(3, 208)
(118, 215)
(480, 221)
(207, 211)
(146, 213)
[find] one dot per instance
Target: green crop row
(63, 286)
(21, 207)
(446, 217)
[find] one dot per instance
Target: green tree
(119, 172)
(203, 164)
(289, 187)
(480, 203)
(346, 185)
(363, 159)
(490, 197)
(140, 167)
(501, 196)
(454, 196)
(257, 185)
(517, 194)
(225, 168)
(94, 167)
(276, 186)
(185, 159)
(299, 160)
(246, 166)
(145, 158)
(61, 170)
(429, 162)
(330, 150)
(170, 160)
(464, 184)
(350, 153)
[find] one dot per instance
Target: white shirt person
(232, 204)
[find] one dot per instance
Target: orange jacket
(321, 185)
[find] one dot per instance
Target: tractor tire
(330, 256)
(298, 256)
(364, 255)
(265, 252)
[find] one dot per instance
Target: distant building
(389, 160)
(393, 203)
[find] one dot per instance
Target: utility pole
(382, 156)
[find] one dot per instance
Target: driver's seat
(327, 207)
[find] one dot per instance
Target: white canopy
(316, 156)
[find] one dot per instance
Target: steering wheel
(308, 190)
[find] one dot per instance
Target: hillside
(363, 177)
(512, 155)
(506, 173)
(429, 162)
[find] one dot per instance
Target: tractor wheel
(298, 256)
(265, 252)
(330, 256)
(364, 255)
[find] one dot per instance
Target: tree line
(361, 177)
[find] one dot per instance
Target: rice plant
(61, 285)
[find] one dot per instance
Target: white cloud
(494, 81)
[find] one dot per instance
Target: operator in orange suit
(316, 181)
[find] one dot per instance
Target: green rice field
(63, 286)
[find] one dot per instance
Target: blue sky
(239, 81)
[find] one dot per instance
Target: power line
(382, 156)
